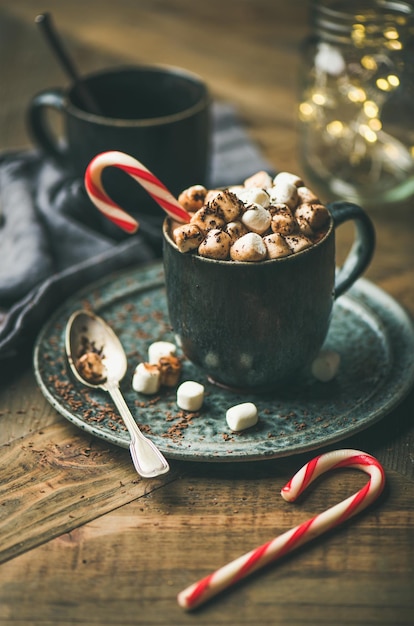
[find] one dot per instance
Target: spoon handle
(148, 460)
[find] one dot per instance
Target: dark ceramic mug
(252, 326)
(158, 114)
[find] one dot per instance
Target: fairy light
(375, 124)
(391, 33)
(319, 98)
(401, 20)
(306, 111)
(393, 80)
(394, 45)
(370, 108)
(356, 94)
(367, 133)
(358, 34)
(335, 128)
(369, 63)
(383, 84)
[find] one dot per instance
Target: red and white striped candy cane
(156, 189)
(231, 573)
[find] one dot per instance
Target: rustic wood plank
(58, 478)
(391, 440)
(128, 565)
(23, 408)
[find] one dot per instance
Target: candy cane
(231, 573)
(156, 189)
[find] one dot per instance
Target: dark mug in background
(158, 114)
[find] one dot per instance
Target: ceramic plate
(369, 329)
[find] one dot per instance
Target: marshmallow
(207, 218)
(159, 349)
(242, 416)
(304, 227)
(91, 368)
(276, 246)
(315, 214)
(240, 192)
(227, 205)
(211, 194)
(326, 365)
(306, 195)
(256, 218)
(287, 177)
(260, 179)
(297, 243)
(235, 230)
(284, 193)
(190, 396)
(146, 378)
(282, 219)
(193, 198)
(170, 370)
(216, 245)
(187, 237)
(249, 247)
(236, 188)
(254, 195)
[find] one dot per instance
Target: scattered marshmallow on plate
(163, 369)
(242, 416)
(190, 395)
(146, 379)
(326, 365)
(159, 349)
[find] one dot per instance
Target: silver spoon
(98, 360)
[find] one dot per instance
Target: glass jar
(356, 110)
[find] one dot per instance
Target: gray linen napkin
(52, 241)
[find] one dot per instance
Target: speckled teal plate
(373, 335)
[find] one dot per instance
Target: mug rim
(172, 70)
(231, 263)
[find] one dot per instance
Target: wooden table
(84, 540)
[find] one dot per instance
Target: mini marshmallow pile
(262, 219)
(163, 368)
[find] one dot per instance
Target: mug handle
(38, 124)
(363, 247)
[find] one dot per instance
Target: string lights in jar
(356, 109)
